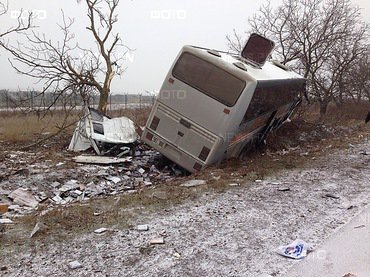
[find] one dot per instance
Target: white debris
(76, 193)
(234, 184)
(6, 221)
(176, 255)
(35, 229)
(57, 199)
(296, 250)
(100, 230)
(95, 127)
(193, 183)
(141, 170)
(101, 160)
(74, 265)
(142, 227)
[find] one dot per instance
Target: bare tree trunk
(103, 101)
(323, 108)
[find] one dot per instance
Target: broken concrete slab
(193, 183)
(102, 160)
(23, 197)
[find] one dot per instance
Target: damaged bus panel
(214, 105)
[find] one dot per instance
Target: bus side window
(270, 98)
(259, 104)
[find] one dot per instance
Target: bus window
(270, 97)
(208, 78)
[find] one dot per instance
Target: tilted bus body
(213, 105)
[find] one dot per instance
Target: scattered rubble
(62, 186)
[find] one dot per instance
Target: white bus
(213, 105)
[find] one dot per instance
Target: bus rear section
(195, 103)
(179, 138)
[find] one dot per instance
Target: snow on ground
(233, 233)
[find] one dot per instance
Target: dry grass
(17, 127)
(348, 111)
(139, 116)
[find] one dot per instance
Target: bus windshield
(208, 78)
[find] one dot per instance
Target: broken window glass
(271, 95)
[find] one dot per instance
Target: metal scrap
(107, 136)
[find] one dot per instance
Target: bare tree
(357, 80)
(66, 67)
(22, 25)
(321, 39)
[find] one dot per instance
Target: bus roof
(269, 71)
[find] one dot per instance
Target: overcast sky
(156, 29)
